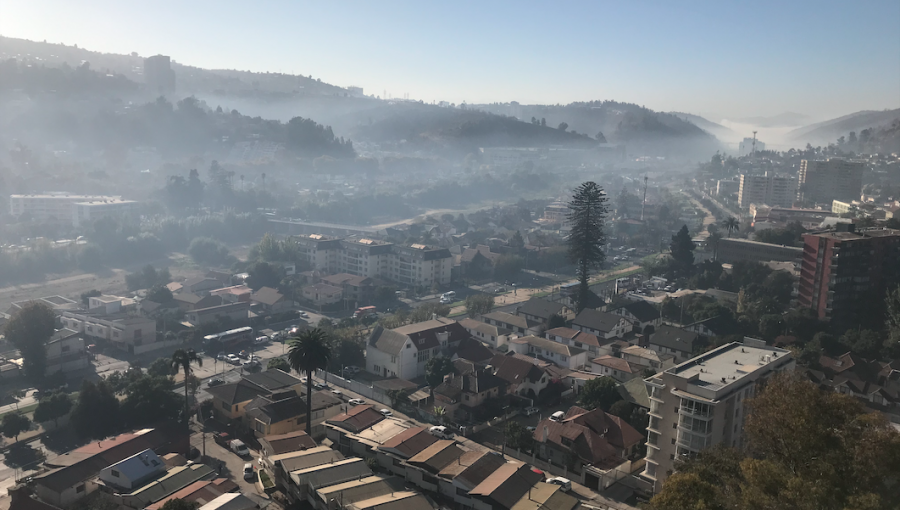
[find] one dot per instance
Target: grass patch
(267, 482)
(22, 409)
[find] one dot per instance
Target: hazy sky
(718, 58)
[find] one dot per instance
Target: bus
(231, 338)
(364, 311)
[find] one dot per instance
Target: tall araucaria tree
(587, 213)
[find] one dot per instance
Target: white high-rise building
(766, 189)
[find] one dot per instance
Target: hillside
(718, 130)
(786, 119)
(828, 131)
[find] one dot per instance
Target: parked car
(319, 386)
(262, 340)
(353, 369)
(558, 416)
(238, 447)
(338, 394)
(222, 439)
(215, 382)
(245, 354)
(564, 483)
(234, 360)
(250, 363)
(248, 471)
(222, 356)
(356, 401)
(304, 315)
(441, 432)
(386, 413)
(531, 410)
(445, 300)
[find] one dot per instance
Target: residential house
(504, 487)
(200, 285)
(547, 495)
(648, 358)
(188, 301)
(875, 383)
(305, 482)
(236, 313)
(362, 489)
(66, 352)
(617, 368)
(356, 419)
(403, 352)
(322, 294)
(172, 481)
(641, 314)
(470, 469)
(492, 335)
(634, 391)
(581, 339)
(267, 415)
(472, 350)
(714, 326)
(231, 501)
(271, 301)
(129, 333)
(477, 263)
(200, 492)
(423, 467)
(174, 287)
(560, 354)
(540, 310)
(598, 440)
(223, 277)
(233, 294)
(401, 500)
(407, 443)
(675, 341)
(285, 443)
(522, 377)
(463, 392)
(515, 323)
(73, 475)
(133, 472)
(230, 400)
(356, 290)
(282, 465)
(602, 324)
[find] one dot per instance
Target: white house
(559, 354)
(133, 472)
(602, 324)
(641, 314)
(403, 352)
(494, 336)
(66, 352)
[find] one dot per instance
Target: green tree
(53, 407)
(440, 412)
(517, 241)
(479, 304)
(279, 364)
(730, 224)
(96, 412)
(208, 251)
(29, 329)
(622, 409)
(13, 424)
(263, 274)
(179, 504)
(425, 311)
(892, 316)
(86, 296)
(161, 367)
(601, 392)
(149, 400)
(587, 212)
(770, 326)
(159, 294)
(517, 436)
(309, 351)
(556, 321)
(682, 251)
(508, 267)
(435, 370)
(182, 360)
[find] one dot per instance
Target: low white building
(494, 336)
(403, 352)
(66, 352)
(559, 354)
(131, 473)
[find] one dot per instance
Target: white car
(564, 483)
(386, 413)
(445, 300)
(304, 315)
(233, 359)
(531, 410)
(441, 432)
(248, 471)
(356, 401)
(337, 393)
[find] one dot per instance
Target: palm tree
(731, 224)
(440, 413)
(181, 360)
(308, 352)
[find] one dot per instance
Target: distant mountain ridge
(705, 124)
(786, 119)
(830, 130)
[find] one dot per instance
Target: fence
(355, 386)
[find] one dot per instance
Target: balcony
(696, 413)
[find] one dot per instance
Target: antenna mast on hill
(753, 150)
(644, 201)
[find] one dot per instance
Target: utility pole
(644, 201)
(753, 149)
(204, 444)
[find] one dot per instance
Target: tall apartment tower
(841, 272)
(766, 189)
(828, 180)
(158, 74)
(700, 403)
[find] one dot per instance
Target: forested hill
(829, 130)
(428, 125)
(641, 129)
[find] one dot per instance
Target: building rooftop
(541, 308)
(726, 365)
(548, 345)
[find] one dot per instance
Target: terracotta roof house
(284, 443)
(357, 418)
(617, 368)
(522, 378)
(595, 437)
(504, 487)
(463, 392)
(270, 300)
(436, 456)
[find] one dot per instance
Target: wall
(356, 387)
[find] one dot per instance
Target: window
(114, 473)
(80, 488)
(673, 440)
(65, 348)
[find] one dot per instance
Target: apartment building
(766, 189)
(829, 180)
(415, 265)
(842, 271)
(730, 251)
(700, 403)
(69, 208)
(130, 333)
